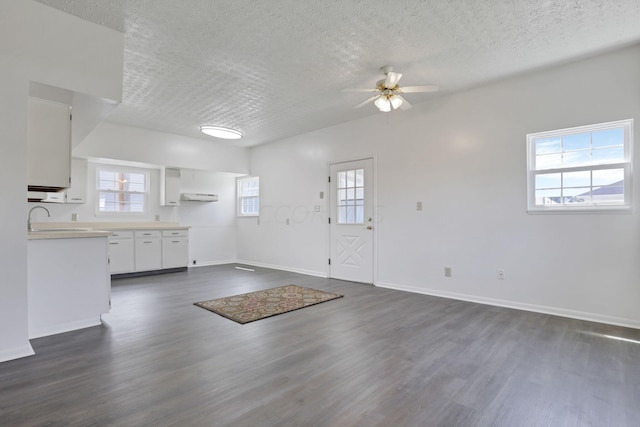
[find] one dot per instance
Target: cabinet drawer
(175, 233)
(121, 235)
(148, 234)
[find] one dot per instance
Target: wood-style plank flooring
(376, 357)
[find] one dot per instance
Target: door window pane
(350, 196)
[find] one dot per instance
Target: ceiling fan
(388, 94)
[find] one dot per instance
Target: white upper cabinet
(170, 187)
(77, 192)
(48, 145)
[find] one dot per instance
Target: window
(248, 196)
(582, 168)
(351, 196)
(122, 190)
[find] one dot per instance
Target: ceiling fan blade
(358, 90)
(424, 88)
(392, 80)
(373, 98)
(405, 104)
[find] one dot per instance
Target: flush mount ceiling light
(221, 132)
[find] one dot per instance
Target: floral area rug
(258, 305)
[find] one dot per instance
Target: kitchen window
(586, 168)
(122, 191)
(248, 192)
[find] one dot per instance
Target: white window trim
(627, 125)
(97, 190)
(239, 213)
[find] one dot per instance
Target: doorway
(351, 221)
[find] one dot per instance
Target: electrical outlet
(447, 272)
(74, 217)
(500, 274)
(419, 206)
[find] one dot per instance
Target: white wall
(207, 166)
(464, 157)
(115, 141)
(85, 58)
(87, 212)
(212, 236)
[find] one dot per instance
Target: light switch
(317, 208)
(322, 194)
(419, 206)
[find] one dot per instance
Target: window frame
(240, 197)
(626, 165)
(122, 169)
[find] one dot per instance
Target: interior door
(351, 221)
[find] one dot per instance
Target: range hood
(199, 197)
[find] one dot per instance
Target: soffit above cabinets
(274, 71)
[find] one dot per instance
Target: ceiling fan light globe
(395, 101)
(383, 104)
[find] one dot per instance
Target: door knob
(369, 228)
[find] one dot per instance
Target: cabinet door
(175, 252)
(148, 254)
(77, 192)
(48, 145)
(170, 191)
(121, 256)
(54, 197)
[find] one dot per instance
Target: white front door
(351, 220)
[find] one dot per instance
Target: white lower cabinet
(148, 250)
(175, 248)
(121, 258)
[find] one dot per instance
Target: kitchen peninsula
(70, 266)
(68, 280)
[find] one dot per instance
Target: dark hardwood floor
(376, 357)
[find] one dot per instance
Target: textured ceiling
(276, 68)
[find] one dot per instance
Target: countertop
(66, 234)
(75, 230)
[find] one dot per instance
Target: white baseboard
(557, 311)
(210, 263)
(284, 268)
(64, 327)
(16, 353)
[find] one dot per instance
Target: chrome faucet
(29, 227)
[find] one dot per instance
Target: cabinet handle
(146, 234)
(175, 241)
(113, 243)
(176, 232)
(148, 242)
